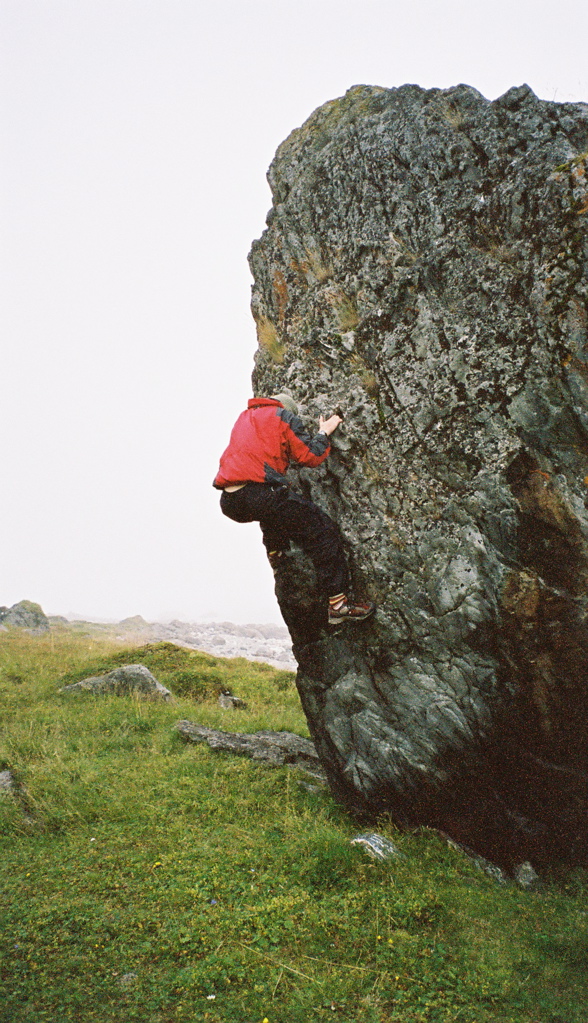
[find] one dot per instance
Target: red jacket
(264, 440)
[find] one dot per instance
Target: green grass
(146, 879)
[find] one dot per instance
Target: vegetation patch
(189, 673)
(154, 881)
(268, 340)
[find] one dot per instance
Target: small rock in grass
(7, 782)
(128, 980)
(131, 678)
(525, 875)
(229, 702)
(376, 846)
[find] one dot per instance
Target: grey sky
(136, 135)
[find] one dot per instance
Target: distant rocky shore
(268, 643)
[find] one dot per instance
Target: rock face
(25, 615)
(425, 267)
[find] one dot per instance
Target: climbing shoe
(350, 611)
(275, 558)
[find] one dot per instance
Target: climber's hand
(328, 425)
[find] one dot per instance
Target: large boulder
(425, 268)
(25, 615)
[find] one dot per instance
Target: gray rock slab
(274, 748)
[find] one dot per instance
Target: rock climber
(267, 436)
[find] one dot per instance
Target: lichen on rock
(425, 268)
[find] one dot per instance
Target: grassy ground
(145, 879)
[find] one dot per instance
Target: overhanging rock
(425, 267)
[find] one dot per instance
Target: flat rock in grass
(133, 679)
(274, 748)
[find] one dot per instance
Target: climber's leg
(293, 517)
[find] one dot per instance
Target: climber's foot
(345, 610)
(275, 558)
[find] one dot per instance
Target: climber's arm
(301, 446)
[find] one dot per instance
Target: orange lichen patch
(578, 311)
(281, 292)
(538, 496)
(521, 594)
(539, 472)
(541, 684)
(578, 367)
(302, 270)
(295, 327)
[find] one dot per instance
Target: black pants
(285, 515)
